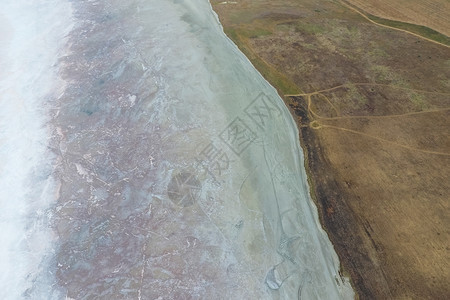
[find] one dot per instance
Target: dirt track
(431, 13)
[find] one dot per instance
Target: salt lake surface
(144, 157)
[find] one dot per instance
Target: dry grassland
(431, 13)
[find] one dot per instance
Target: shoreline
(315, 165)
(345, 272)
(348, 289)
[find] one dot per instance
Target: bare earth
(373, 108)
(431, 13)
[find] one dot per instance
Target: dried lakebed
(177, 171)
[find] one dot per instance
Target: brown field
(373, 108)
(431, 13)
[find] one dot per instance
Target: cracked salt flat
(179, 170)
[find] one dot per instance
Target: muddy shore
(337, 217)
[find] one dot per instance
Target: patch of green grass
(445, 83)
(378, 53)
(356, 95)
(381, 73)
(232, 34)
(241, 17)
(354, 32)
(418, 100)
(256, 32)
(284, 27)
(276, 78)
(417, 29)
(309, 28)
